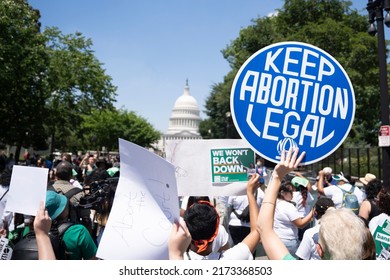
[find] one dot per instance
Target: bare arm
(365, 209)
(42, 224)
(273, 246)
(320, 183)
(253, 238)
(302, 222)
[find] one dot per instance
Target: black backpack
(27, 248)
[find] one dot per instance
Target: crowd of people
(80, 191)
(290, 216)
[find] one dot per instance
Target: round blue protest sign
(293, 94)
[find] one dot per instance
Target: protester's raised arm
(273, 246)
(320, 183)
(252, 239)
(42, 224)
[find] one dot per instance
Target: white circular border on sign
(242, 68)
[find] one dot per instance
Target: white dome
(186, 101)
(185, 117)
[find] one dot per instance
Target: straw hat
(369, 177)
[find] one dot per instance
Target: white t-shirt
(220, 240)
(380, 229)
(333, 192)
(239, 203)
(285, 214)
(238, 252)
(307, 250)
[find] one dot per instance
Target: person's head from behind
(342, 235)
(57, 205)
(64, 171)
(66, 157)
(202, 220)
(373, 188)
(194, 199)
(322, 204)
(384, 200)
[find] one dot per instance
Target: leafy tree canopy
(328, 24)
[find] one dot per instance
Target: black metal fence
(353, 161)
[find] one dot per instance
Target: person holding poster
(339, 227)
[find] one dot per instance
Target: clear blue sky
(150, 48)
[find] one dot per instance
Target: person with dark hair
(369, 208)
(62, 185)
(201, 226)
(187, 201)
(77, 173)
(96, 184)
(288, 219)
(307, 250)
(77, 240)
(380, 225)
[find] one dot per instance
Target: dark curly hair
(201, 220)
(5, 177)
(322, 204)
(373, 188)
(384, 201)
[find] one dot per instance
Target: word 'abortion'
(297, 86)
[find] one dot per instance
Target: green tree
(47, 81)
(104, 127)
(77, 84)
(23, 61)
(332, 26)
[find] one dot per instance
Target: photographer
(99, 196)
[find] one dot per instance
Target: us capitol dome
(184, 120)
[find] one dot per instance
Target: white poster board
(27, 189)
(145, 206)
(193, 161)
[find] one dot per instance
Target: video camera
(98, 192)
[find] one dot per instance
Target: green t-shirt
(79, 243)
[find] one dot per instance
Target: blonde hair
(342, 234)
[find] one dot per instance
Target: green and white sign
(382, 241)
(231, 165)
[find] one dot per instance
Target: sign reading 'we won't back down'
(293, 94)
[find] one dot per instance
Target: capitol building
(184, 120)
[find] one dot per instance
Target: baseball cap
(299, 181)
